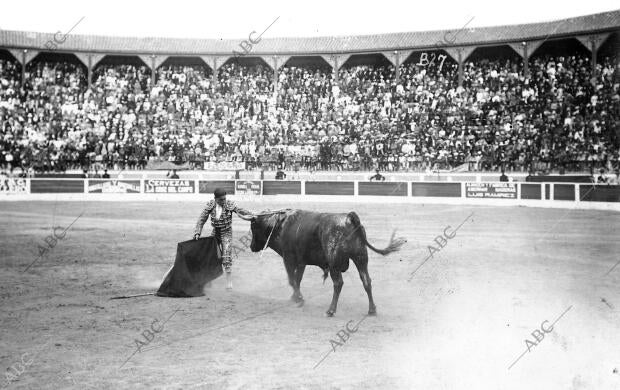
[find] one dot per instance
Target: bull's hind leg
(338, 282)
(361, 262)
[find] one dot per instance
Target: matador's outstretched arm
(244, 214)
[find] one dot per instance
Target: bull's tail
(393, 246)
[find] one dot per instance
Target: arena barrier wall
(436, 189)
(57, 186)
(530, 191)
(280, 187)
(560, 179)
(563, 192)
(474, 192)
(594, 193)
(207, 187)
(382, 188)
(330, 188)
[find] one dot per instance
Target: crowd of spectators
(558, 117)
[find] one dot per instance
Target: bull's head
(262, 225)
(258, 237)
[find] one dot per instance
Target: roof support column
(24, 57)
(275, 74)
(215, 62)
(525, 50)
(214, 77)
(460, 61)
(153, 70)
(336, 70)
(526, 61)
(593, 43)
(23, 67)
(90, 60)
(594, 50)
(336, 61)
(153, 64)
(397, 66)
(90, 71)
(395, 57)
(460, 54)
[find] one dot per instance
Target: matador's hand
(196, 236)
(246, 217)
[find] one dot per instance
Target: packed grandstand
(423, 110)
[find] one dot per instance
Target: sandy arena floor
(460, 323)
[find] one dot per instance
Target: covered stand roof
(589, 24)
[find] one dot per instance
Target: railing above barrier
(570, 192)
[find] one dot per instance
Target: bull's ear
(281, 216)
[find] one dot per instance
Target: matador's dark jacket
(224, 223)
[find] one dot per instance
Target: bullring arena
(460, 321)
(501, 284)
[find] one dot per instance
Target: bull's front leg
(291, 271)
(338, 282)
(299, 274)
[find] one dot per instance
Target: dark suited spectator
(602, 179)
(280, 175)
(377, 176)
(503, 177)
(105, 174)
(173, 175)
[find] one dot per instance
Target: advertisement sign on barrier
(491, 190)
(165, 186)
(247, 187)
(114, 186)
(224, 165)
(13, 186)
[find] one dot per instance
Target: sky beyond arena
(236, 19)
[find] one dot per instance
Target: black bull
(327, 240)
